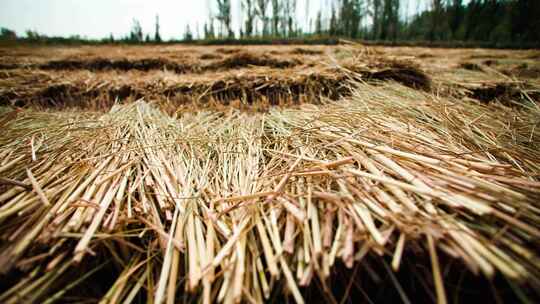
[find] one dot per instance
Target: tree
(212, 29)
(289, 17)
(525, 23)
(350, 15)
(188, 35)
(249, 11)
(276, 16)
(333, 28)
(32, 35)
(136, 34)
(343, 13)
(224, 17)
(209, 32)
(260, 11)
(436, 14)
(7, 34)
(456, 17)
(206, 31)
(376, 16)
(390, 19)
(318, 24)
(471, 18)
(356, 18)
(157, 36)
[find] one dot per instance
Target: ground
(251, 77)
(269, 174)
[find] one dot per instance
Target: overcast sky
(100, 18)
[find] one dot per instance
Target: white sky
(100, 18)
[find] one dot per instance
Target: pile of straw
(231, 206)
(256, 86)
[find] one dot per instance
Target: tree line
(498, 22)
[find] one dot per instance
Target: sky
(99, 18)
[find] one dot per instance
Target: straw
(235, 206)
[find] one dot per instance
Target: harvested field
(241, 60)
(303, 51)
(292, 74)
(470, 66)
(235, 61)
(210, 56)
(101, 64)
(268, 174)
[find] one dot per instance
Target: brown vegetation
(245, 59)
(209, 56)
(260, 175)
(471, 66)
(304, 51)
(249, 76)
(524, 71)
(228, 51)
(101, 64)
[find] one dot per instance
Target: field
(269, 173)
(250, 77)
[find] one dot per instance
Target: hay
(236, 60)
(8, 66)
(489, 93)
(229, 207)
(228, 51)
(405, 75)
(209, 56)
(507, 93)
(425, 55)
(470, 66)
(262, 88)
(523, 71)
(488, 56)
(308, 52)
(274, 89)
(101, 64)
(254, 89)
(490, 62)
(246, 59)
(382, 69)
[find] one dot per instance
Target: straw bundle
(90, 91)
(231, 206)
